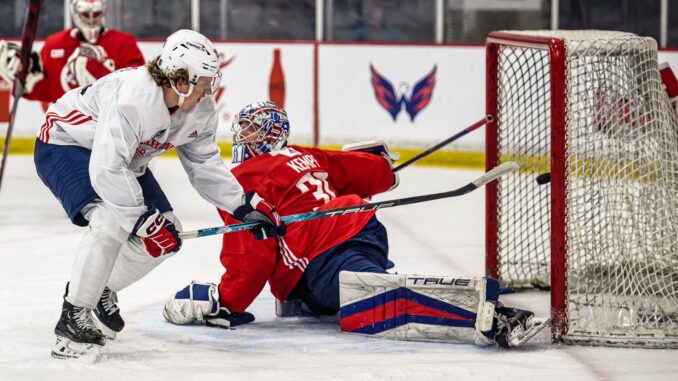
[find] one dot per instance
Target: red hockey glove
(157, 233)
(255, 209)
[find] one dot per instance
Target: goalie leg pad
(420, 308)
(192, 303)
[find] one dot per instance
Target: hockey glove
(192, 303)
(255, 209)
(88, 63)
(10, 62)
(158, 234)
(35, 72)
(10, 65)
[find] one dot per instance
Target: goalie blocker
(428, 308)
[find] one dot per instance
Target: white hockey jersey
(122, 118)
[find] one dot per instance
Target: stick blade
(496, 172)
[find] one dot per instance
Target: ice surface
(440, 237)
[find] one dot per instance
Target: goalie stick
(27, 37)
(491, 175)
(487, 119)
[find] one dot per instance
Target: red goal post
(587, 107)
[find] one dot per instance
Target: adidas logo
(193, 134)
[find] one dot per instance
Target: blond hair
(162, 79)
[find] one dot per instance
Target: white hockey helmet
(190, 50)
(89, 17)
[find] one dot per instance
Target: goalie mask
(259, 128)
(190, 50)
(89, 17)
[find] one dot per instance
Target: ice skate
(76, 334)
(515, 327)
(107, 314)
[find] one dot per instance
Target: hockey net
(588, 108)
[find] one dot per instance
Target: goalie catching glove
(255, 209)
(158, 234)
(198, 303)
(10, 65)
(89, 62)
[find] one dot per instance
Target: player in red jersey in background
(74, 57)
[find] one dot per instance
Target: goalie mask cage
(589, 108)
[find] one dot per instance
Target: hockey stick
(491, 175)
(27, 37)
(478, 124)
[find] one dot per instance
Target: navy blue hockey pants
(367, 251)
(65, 171)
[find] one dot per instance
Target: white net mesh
(621, 190)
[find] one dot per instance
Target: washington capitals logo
(414, 102)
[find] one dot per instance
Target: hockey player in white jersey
(92, 152)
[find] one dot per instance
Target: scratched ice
(444, 237)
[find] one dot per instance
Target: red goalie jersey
(296, 180)
(114, 50)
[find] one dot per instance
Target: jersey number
(317, 182)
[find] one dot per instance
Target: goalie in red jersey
(306, 263)
(300, 179)
(335, 263)
(74, 57)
